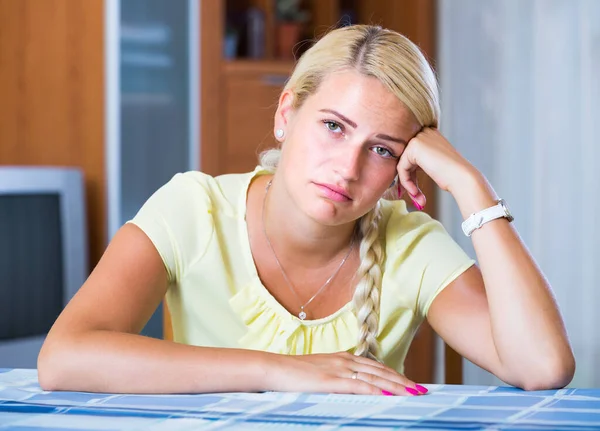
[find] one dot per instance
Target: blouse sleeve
(178, 220)
(424, 256)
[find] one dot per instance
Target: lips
(335, 192)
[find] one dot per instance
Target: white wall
(521, 100)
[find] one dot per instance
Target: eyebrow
(389, 138)
(354, 125)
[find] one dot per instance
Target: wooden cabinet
(250, 95)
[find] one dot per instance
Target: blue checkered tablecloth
(24, 406)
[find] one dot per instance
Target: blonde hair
(399, 64)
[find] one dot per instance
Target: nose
(348, 163)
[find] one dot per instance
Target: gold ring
(354, 375)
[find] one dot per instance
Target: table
(24, 406)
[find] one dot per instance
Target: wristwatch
(478, 219)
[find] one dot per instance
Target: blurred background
(126, 93)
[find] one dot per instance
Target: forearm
(102, 361)
(528, 331)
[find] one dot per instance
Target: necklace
(302, 313)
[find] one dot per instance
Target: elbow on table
(50, 371)
(551, 375)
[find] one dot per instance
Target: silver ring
(354, 375)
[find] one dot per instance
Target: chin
(329, 214)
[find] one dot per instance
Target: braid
(367, 293)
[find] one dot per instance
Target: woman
(299, 276)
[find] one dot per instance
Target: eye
(383, 152)
(332, 126)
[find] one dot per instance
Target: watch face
(506, 210)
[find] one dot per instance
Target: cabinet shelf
(256, 25)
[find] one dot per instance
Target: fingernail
(422, 389)
(417, 205)
(399, 189)
(384, 392)
(412, 391)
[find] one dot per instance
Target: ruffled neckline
(271, 327)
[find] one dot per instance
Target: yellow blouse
(216, 298)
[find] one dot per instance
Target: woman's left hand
(431, 152)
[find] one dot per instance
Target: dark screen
(31, 264)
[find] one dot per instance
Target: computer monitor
(43, 255)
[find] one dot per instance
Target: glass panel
(154, 68)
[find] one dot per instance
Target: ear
(285, 109)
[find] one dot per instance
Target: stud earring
(279, 133)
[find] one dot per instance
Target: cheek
(374, 183)
(380, 186)
(299, 156)
(380, 172)
(314, 148)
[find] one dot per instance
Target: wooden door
(52, 94)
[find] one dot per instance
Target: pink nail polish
(417, 205)
(412, 391)
(422, 389)
(384, 392)
(399, 189)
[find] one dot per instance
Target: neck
(309, 243)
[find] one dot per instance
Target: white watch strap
(478, 219)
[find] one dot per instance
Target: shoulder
(181, 217)
(191, 201)
(398, 225)
(417, 238)
(195, 188)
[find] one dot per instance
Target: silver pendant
(302, 314)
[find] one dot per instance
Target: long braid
(367, 294)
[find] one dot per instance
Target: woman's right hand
(333, 373)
